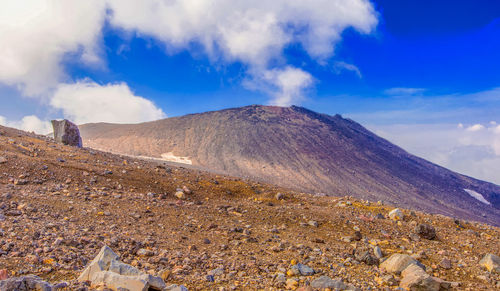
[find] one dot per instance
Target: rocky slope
(60, 205)
(297, 148)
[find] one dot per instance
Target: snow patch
(173, 158)
(478, 196)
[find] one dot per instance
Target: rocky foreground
(78, 219)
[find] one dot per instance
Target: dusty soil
(59, 205)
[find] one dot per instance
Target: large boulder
(67, 133)
(107, 270)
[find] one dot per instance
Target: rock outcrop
(107, 270)
(67, 133)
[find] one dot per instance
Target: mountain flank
(80, 219)
(304, 150)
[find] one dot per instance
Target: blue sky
(409, 70)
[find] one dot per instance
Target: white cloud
(37, 34)
(252, 32)
(341, 66)
(86, 101)
(475, 127)
(248, 31)
(497, 129)
(474, 153)
(288, 85)
(28, 123)
(404, 91)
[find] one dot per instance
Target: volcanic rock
(397, 263)
(107, 270)
(326, 282)
(415, 278)
(426, 231)
(25, 283)
(67, 133)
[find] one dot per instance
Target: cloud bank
(471, 152)
(86, 101)
(28, 123)
(36, 36)
(39, 36)
(254, 33)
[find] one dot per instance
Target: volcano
(297, 148)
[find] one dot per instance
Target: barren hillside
(295, 147)
(59, 205)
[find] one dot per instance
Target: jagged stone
(107, 270)
(415, 278)
(397, 263)
(67, 133)
(25, 283)
(491, 262)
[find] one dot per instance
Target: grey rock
(216, 272)
(67, 133)
(175, 287)
(326, 282)
(445, 263)
(396, 263)
(367, 258)
(313, 223)
(491, 263)
(426, 231)
(415, 278)
(280, 278)
(25, 283)
(3, 160)
(106, 269)
(378, 252)
(303, 270)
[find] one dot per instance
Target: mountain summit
(301, 149)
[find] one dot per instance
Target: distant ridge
(298, 148)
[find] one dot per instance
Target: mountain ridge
(301, 149)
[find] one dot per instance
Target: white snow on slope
(478, 196)
(173, 158)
